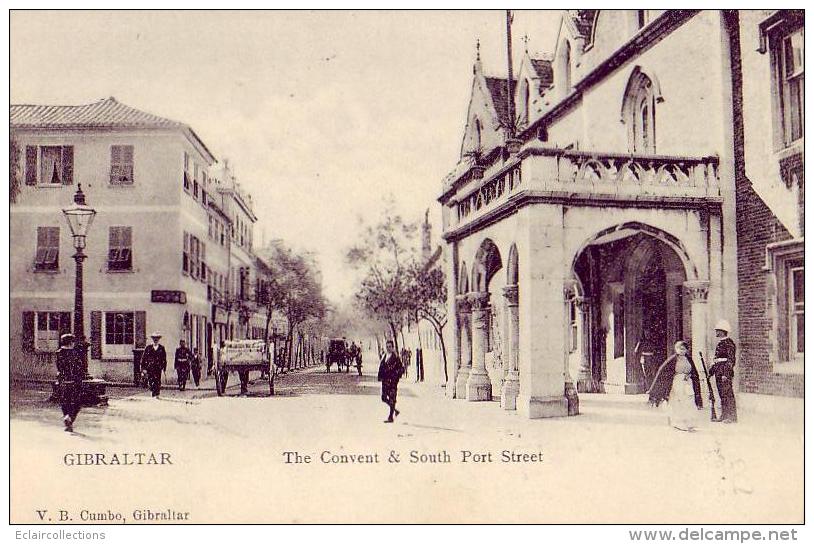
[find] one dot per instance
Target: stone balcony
(581, 177)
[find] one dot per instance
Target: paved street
(630, 466)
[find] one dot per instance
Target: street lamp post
(80, 217)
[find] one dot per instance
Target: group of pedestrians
(154, 363)
(677, 382)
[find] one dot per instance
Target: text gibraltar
(119, 458)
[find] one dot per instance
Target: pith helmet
(723, 325)
(155, 334)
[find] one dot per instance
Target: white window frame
(794, 309)
(774, 38)
(117, 351)
(46, 341)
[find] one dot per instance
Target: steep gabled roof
(106, 113)
(542, 67)
(497, 88)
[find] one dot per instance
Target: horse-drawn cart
(242, 356)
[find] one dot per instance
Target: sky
(322, 115)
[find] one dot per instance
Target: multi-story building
(770, 189)
(146, 270)
(598, 225)
(236, 212)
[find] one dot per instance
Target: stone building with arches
(582, 247)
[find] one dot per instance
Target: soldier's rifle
(712, 416)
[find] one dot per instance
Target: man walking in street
(182, 364)
(390, 371)
(196, 367)
(71, 373)
(154, 361)
(724, 371)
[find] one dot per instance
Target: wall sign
(175, 297)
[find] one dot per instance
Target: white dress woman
(677, 383)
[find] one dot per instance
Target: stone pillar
(585, 379)
(697, 292)
(465, 359)
(540, 258)
(511, 383)
(478, 385)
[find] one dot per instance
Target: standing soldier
(390, 371)
(196, 367)
(71, 373)
(182, 364)
(724, 371)
(359, 360)
(154, 361)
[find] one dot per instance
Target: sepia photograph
(493, 266)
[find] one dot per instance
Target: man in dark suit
(154, 361)
(196, 367)
(390, 371)
(183, 359)
(71, 373)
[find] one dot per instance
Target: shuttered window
(186, 171)
(121, 164)
(185, 264)
(47, 256)
(119, 328)
(120, 250)
(56, 165)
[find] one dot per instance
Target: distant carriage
(242, 355)
(338, 355)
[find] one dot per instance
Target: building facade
(770, 187)
(595, 228)
(138, 171)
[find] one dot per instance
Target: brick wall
(757, 227)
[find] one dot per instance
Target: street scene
(507, 266)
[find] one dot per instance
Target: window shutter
(140, 326)
(64, 323)
(96, 335)
(67, 165)
(115, 155)
(127, 155)
(30, 165)
(28, 331)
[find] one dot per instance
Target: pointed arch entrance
(487, 263)
(639, 294)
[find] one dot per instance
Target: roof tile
(106, 113)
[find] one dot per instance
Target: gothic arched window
(639, 113)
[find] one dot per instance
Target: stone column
(511, 382)
(465, 359)
(585, 379)
(697, 292)
(478, 385)
(541, 261)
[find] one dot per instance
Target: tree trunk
(395, 335)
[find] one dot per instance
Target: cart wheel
(219, 385)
